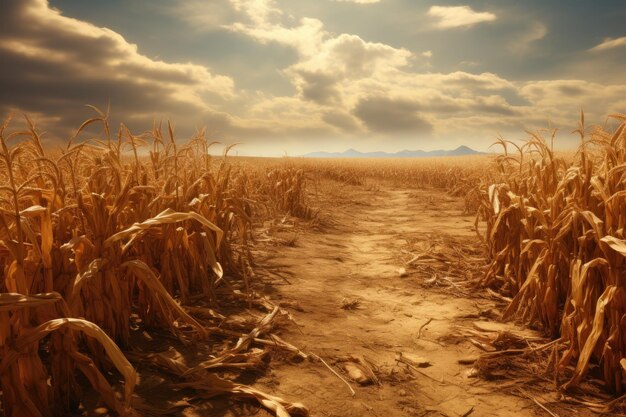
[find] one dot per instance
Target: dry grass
(553, 226)
(555, 235)
(96, 239)
(459, 176)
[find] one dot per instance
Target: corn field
(553, 227)
(556, 244)
(123, 232)
(459, 176)
(101, 238)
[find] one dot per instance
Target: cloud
(382, 114)
(53, 65)
(317, 86)
(524, 42)
(609, 43)
(304, 37)
(363, 88)
(469, 64)
(563, 97)
(340, 62)
(344, 121)
(340, 85)
(458, 16)
(203, 14)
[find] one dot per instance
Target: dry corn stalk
(555, 234)
(113, 234)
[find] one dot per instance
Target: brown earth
(352, 259)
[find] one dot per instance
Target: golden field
(115, 236)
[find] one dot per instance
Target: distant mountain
(353, 153)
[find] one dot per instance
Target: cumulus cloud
(346, 122)
(333, 70)
(610, 43)
(342, 62)
(53, 65)
(383, 114)
(360, 87)
(458, 16)
(305, 37)
(342, 85)
(563, 98)
(352, 76)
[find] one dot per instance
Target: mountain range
(353, 153)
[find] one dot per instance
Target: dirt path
(358, 258)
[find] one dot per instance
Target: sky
(295, 76)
